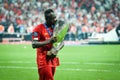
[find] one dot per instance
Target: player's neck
(49, 25)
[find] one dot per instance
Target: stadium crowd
(85, 16)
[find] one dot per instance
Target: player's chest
(47, 33)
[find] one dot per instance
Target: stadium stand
(87, 16)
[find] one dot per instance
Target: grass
(97, 62)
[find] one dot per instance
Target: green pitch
(98, 62)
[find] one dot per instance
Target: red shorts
(46, 73)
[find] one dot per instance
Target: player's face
(52, 18)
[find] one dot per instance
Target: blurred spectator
(1, 28)
(109, 27)
(11, 28)
(79, 33)
(22, 27)
(72, 31)
(88, 16)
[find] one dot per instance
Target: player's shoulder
(38, 27)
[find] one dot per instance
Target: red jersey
(40, 33)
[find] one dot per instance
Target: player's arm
(37, 44)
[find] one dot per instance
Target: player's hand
(50, 56)
(52, 53)
(53, 39)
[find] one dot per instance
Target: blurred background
(90, 20)
(92, 23)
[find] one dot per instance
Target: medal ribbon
(48, 30)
